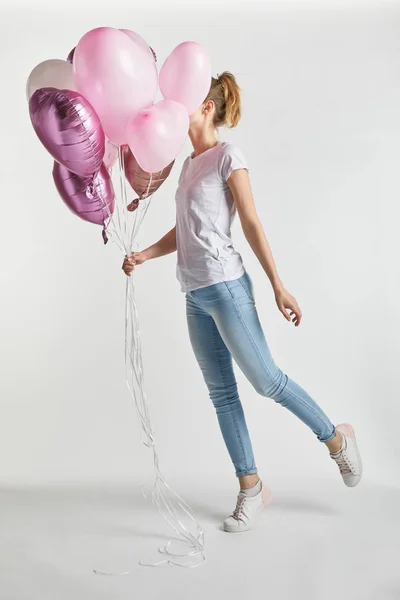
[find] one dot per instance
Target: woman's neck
(202, 140)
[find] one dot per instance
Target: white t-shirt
(205, 210)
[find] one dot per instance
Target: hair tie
(220, 83)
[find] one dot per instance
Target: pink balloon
(140, 42)
(70, 57)
(186, 75)
(116, 76)
(86, 197)
(157, 134)
(68, 128)
(134, 36)
(145, 184)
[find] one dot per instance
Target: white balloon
(55, 73)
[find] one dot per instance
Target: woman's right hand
(130, 262)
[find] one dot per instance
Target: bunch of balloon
(96, 111)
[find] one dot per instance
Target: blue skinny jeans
(223, 323)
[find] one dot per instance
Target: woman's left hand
(287, 302)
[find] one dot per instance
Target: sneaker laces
(237, 513)
(344, 464)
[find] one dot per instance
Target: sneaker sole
(348, 430)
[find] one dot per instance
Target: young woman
(220, 306)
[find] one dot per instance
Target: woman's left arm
(239, 184)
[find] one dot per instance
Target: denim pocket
(247, 285)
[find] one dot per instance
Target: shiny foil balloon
(70, 56)
(86, 197)
(69, 128)
(143, 183)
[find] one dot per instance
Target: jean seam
(245, 289)
(304, 403)
(249, 333)
(234, 419)
(264, 363)
(238, 436)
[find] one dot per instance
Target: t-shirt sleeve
(232, 159)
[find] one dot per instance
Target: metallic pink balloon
(86, 197)
(70, 56)
(143, 183)
(154, 54)
(69, 129)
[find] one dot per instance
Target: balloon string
(111, 221)
(149, 185)
(124, 201)
(170, 505)
(141, 210)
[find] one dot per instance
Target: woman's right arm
(166, 245)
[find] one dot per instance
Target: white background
(320, 130)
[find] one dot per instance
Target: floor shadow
(297, 504)
(117, 497)
(294, 505)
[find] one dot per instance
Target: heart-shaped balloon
(140, 42)
(69, 129)
(143, 183)
(86, 197)
(186, 75)
(156, 134)
(132, 35)
(116, 76)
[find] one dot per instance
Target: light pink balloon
(116, 76)
(186, 75)
(139, 41)
(157, 134)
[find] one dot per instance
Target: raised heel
(266, 496)
(347, 429)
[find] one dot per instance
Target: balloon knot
(133, 205)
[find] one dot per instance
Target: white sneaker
(247, 510)
(348, 458)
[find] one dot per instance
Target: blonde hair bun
(225, 93)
